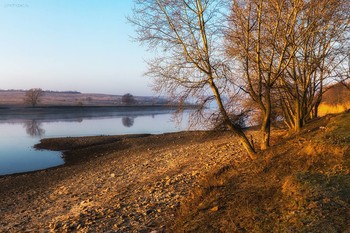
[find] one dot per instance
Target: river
(20, 131)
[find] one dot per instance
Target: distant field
(16, 98)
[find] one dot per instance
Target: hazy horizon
(78, 92)
(64, 45)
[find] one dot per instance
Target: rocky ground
(113, 184)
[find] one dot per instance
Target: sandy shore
(113, 183)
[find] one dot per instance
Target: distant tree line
(271, 57)
(63, 92)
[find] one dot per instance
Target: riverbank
(188, 182)
(124, 184)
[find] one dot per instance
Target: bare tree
(34, 128)
(33, 96)
(128, 121)
(192, 62)
(128, 99)
(286, 50)
(343, 70)
(258, 41)
(317, 45)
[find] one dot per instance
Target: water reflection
(128, 121)
(34, 128)
(19, 131)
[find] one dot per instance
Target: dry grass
(325, 109)
(300, 185)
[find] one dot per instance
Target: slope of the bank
(302, 184)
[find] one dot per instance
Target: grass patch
(325, 109)
(338, 130)
(300, 185)
(316, 202)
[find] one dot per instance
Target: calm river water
(19, 133)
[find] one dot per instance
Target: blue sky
(70, 45)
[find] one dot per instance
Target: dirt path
(113, 184)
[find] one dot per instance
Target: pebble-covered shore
(113, 183)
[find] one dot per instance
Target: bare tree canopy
(188, 34)
(320, 45)
(33, 96)
(128, 99)
(128, 121)
(258, 41)
(281, 53)
(285, 51)
(34, 128)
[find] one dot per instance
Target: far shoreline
(7, 112)
(124, 106)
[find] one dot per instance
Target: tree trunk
(266, 129)
(243, 138)
(237, 131)
(297, 117)
(266, 123)
(315, 110)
